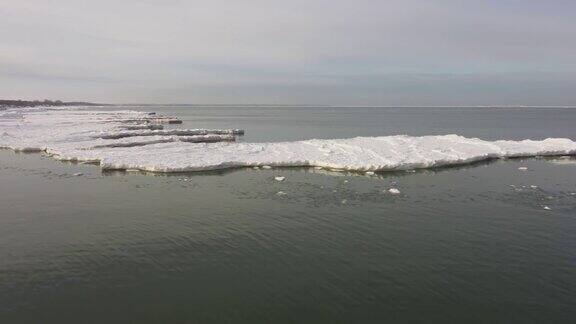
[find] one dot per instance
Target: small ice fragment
(78, 174)
(318, 168)
(256, 168)
(411, 171)
(280, 193)
(534, 187)
(523, 168)
(344, 201)
(547, 208)
(132, 170)
(279, 178)
(369, 173)
(345, 181)
(394, 191)
(267, 167)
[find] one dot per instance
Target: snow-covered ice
(125, 140)
(394, 191)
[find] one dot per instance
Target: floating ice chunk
(256, 168)
(207, 138)
(369, 173)
(266, 167)
(165, 120)
(279, 178)
(565, 160)
(177, 132)
(534, 187)
(546, 208)
(139, 127)
(134, 143)
(77, 174)
(281, 193)
(522, 168)
(72, 133)
(394, 191)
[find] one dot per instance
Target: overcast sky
(369, 52)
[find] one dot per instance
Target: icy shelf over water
(137, 141)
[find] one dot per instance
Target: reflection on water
(480, 243)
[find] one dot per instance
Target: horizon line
(346, 106)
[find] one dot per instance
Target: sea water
(488, 242)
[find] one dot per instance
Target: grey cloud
(314, 51)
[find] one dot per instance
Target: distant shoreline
(38, 103)
(58, 103)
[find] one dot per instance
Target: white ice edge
(72, 134)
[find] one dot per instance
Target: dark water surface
(271, 124)
(485, 243)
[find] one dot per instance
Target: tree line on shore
(36, 103)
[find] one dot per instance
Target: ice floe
(124, 139)
(394, 191)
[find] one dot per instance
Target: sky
(333, 52)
